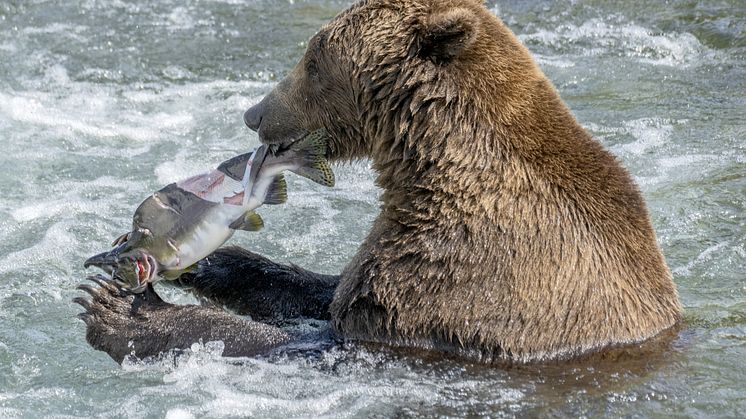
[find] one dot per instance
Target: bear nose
(253, 117)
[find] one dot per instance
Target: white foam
(9, 412)
(597, 37)
(175, 72)
(649, 133)
(179, 413)
(182, 166)
(80, 111)
(199, 89)
(238, 2)
(31, 110)
(704, 256)
(687, 160)
(53, 250)
(67, 198)
(180, 19)
(56, 28)
(295, 387)
(8, 47)
(654, 155)
(356, 182)
(546, 60)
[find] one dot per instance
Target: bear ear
(443, 36)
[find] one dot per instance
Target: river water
(104, 101)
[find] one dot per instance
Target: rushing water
(103, 101)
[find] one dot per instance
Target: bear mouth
(281, 146)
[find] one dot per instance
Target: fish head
(106, 261)
(129, 262)
(135, 269)
(139, 237)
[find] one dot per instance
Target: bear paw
(120, 322)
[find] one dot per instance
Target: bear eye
(312, 69)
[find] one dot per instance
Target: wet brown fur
(122, 324)
(506, 232)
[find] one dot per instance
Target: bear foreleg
(121, 323)
(250, 284)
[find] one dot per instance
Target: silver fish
(186, 221)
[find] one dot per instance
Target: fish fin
(320, 173)
(250, 221)
(316, 167)
(277, 193)
(121, 239)
(176, 273)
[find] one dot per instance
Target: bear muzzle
(274, 123)
(253, 117)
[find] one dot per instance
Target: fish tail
(316, 167)
(121, 239)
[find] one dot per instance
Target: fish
(184, 222)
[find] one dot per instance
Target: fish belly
(206, 236)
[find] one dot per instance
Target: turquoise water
(102, 102)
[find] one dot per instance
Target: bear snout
(274, 121)
(253, 116)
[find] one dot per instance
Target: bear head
(384, 71)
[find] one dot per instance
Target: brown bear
(506, 232)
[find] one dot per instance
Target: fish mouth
(106, 261)
(132, 271)
(146, 268)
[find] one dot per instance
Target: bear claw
(114, 317)
(83, 302)
(105, 282)
(88, 289)
(86, 318)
